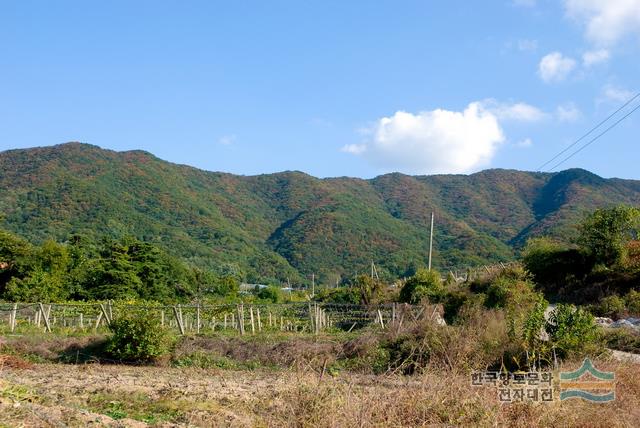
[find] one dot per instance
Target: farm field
(296, 393)
(128, 396)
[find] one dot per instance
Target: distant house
(250, 287)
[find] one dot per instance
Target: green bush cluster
(424, 285)
(82, 269)
(623, 339)
(595, 265)
(617, 307)
(572, 331)
(135, 337)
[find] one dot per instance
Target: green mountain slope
(289, 225)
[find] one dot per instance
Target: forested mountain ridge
(289, 224)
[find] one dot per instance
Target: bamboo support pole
(198, 319)
(253, 327)
(259, 321)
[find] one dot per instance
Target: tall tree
(605, 233)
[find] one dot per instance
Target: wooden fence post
(45, 315)
(98, 319)
(317, 318)
(241, 318)
(178, 314)
(14, 314)
(380, 318)
(198, 318)
(393, 312)
(312, 326)
(105, 314)
(253, 327)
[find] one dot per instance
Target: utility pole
(431, 241)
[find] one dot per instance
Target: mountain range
(290, 225)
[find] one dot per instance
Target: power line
(588, 133)
(595, 138)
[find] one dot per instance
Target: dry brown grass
(71, 395)
(443, 398)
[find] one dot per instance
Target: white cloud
(568, 112)
(526, 45)
(227, 140)
(606, 21)
(526, 143)
(516, 111)
(615, 94)
(436, 141)
(595, 57)
(555, 67)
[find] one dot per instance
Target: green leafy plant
(612, 306)
(632, 300)
(606, 232)
(425, 284)
(137, 338)
(271, 294)
(572, 330)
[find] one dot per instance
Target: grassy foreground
(47, 394)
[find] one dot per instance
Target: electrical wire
(589, 132)
(595, 138)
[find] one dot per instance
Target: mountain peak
(291, 224)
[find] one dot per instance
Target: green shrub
(532, 326)
(512, 290)
(553, 265)
(137, 338)
(572, 330)
(272, 294)
(612, 306)
(370, 290)
(425, 284)
(632, 300)
(606, 232)
(453, 302)
(623, 339)
(346, 295)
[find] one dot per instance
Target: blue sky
(332, 88)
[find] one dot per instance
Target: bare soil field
(60, 395)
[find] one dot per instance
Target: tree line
(107, 268)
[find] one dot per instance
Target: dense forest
(287, 226)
